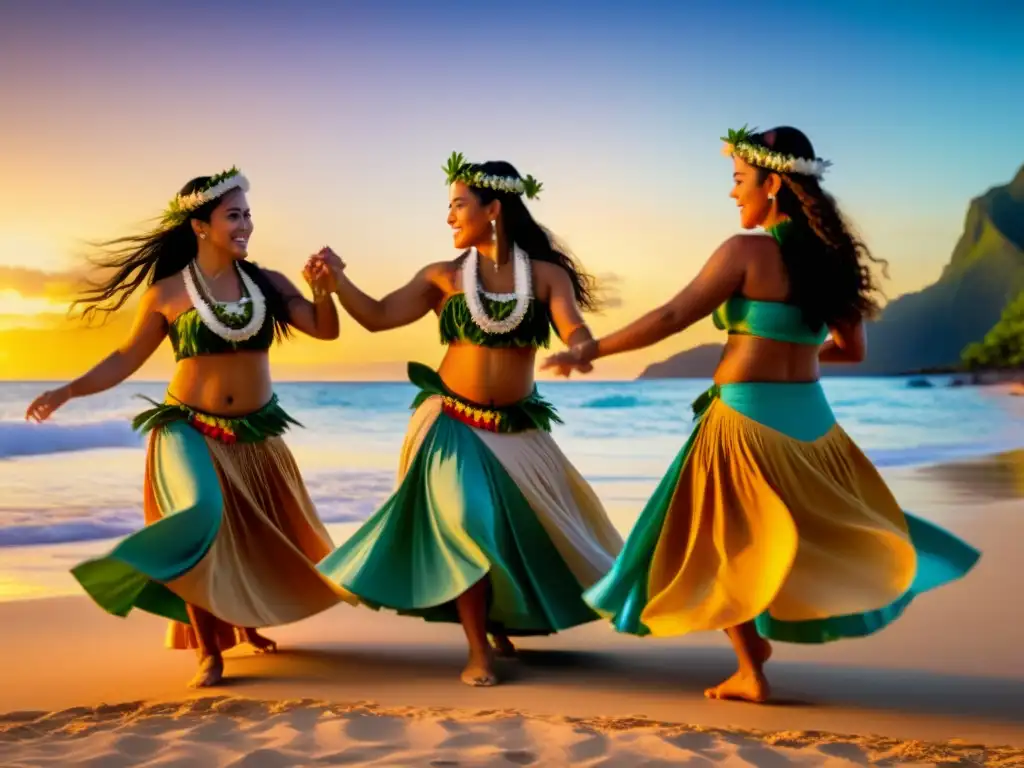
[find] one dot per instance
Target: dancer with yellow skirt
(490, 525)
(770, 524)
(232, 538)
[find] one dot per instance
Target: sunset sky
(341, 115)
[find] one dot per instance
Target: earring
(771, 198)
(494, 239)
(202, 235)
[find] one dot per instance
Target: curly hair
(540, 244)
(828, 266)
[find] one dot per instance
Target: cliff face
(930, 328)
(697, 363)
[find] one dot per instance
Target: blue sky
(343, 113)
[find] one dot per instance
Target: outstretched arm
(317, 318)
(399, 308)
(148, 331)
(720, 278)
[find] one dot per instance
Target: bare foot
(742, 686)
(211, 672)
(479, 673)
(259, 642)
(504, 647)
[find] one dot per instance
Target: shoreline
(373, 688)
(986, 376)
(988, 476)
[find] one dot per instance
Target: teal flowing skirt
(473, 503)
(223, 500)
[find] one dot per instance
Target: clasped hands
(577, 358)
(322, 271)
(324, 268)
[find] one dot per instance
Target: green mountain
(1003, 346)
(930, 328)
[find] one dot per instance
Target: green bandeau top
(456, 324)
(767, 320)
(190, 337)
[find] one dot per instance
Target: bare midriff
(488, 376)
(750, 358)
(232, 384)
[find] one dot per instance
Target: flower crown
(181, 206)
(458, 169)
(738, 143)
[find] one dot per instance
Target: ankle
(751, 670)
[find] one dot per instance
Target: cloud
(39, 284)
(34, 298)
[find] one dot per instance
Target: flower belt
(475, 416)
(269, 421)
(532, 412)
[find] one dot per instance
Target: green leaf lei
(457, 169)
(230, 319)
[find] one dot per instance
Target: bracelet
(587, 349)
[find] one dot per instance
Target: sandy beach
(944, 685)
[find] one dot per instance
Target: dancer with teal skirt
(232, 538)
(770, 524)
(490, 524)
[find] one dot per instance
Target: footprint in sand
(520, 757)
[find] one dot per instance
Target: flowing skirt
(481, 493)
(771, 513)
(229, 528)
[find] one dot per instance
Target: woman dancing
(232, 536)
(490, 525)
(770, 523)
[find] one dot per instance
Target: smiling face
(469, 219)
(230, 225)
(752, 196)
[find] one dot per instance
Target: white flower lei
(471, 290)
(210, 319)
(458, 169)
(499, 183)
(776, 161)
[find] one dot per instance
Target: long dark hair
(145, 258)
(829, 268)
(539, 243)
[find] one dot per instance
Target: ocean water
(78, 477)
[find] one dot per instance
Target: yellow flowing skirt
(771, 513)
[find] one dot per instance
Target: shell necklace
(471, 290)
(234, 324)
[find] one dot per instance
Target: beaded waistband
(532, 412)
(269, 421)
